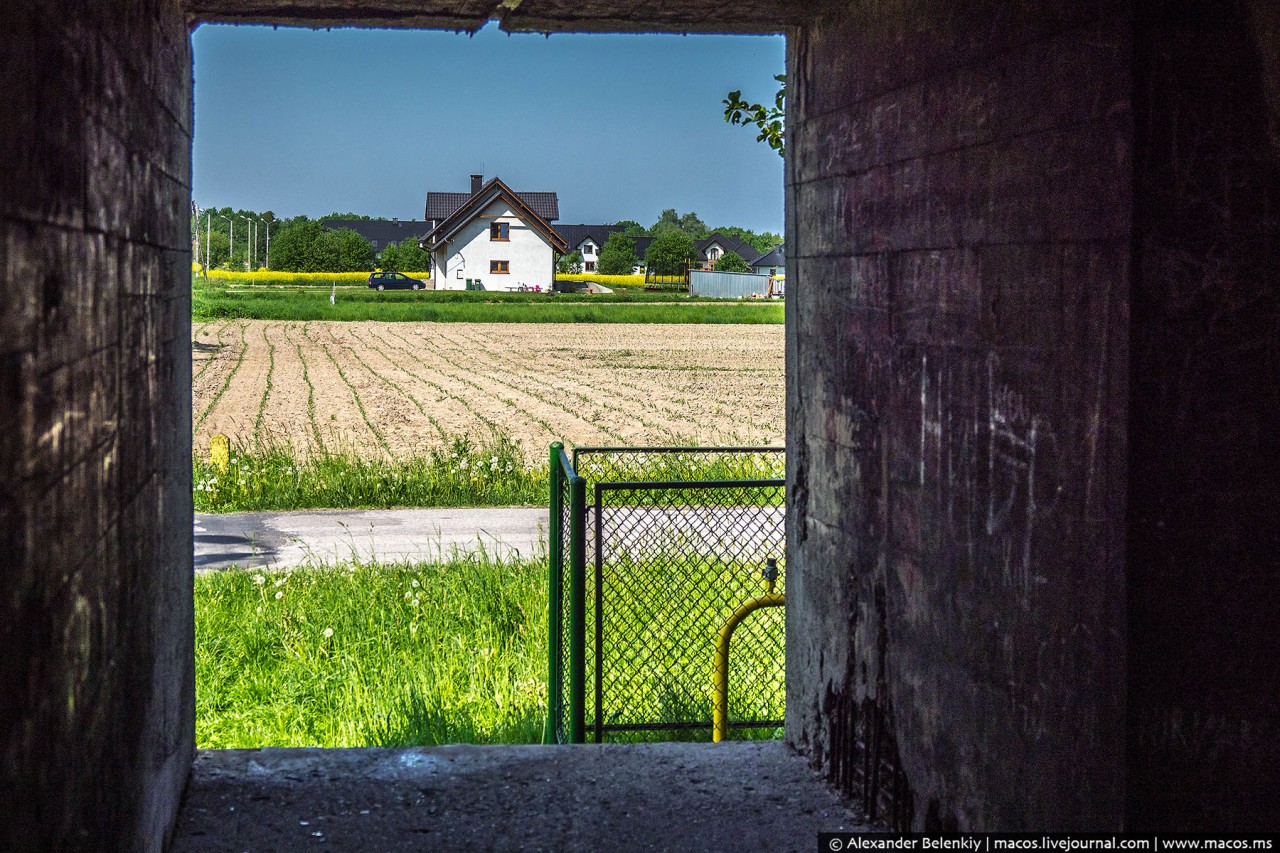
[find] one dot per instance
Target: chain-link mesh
(675, 541)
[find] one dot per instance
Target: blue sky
(621, 126)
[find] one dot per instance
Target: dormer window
(588, 249)
(499, 231)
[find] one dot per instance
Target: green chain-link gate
(652, 549)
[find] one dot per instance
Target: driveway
(320, 537)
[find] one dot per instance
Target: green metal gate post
(577, 608)
(555, 607)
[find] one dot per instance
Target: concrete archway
(1032, 360)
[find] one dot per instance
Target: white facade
(777, 271)
(475, 253)
(590, 255)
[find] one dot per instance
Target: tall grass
(448, 652)
(361, 655)
(271, 476)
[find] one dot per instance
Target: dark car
(394, 281)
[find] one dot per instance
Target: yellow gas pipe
(720, 677)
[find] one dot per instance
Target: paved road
(284, 539)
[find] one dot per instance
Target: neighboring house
(590, 239)
(492, 235)
(771, 263)
(716, 244)
(381, 232)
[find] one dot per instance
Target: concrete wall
(1204, 507)
(960, 194)
(984, 631)
(96, 667)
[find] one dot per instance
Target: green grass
(257, 302)
(452, 652)
(275, 477)
(361, 655)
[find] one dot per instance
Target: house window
(590, 266)
(713, 253)
(499, 231)
(588, 249)
(497, 267)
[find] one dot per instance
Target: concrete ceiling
(692, 16)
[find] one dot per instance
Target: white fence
(727, 285)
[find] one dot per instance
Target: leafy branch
(769, 119)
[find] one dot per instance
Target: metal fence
(727, 285)
(652, 551)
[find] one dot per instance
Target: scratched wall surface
(960, 210)
(96, 661)
(1204, 515)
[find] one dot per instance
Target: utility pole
(208, 246)
(267, 222)
(195, 229)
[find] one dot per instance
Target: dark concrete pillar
(1204, 419)
(96, 663)
(1033, 383)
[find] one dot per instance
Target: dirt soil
(395, 389)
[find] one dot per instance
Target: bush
(731, 262)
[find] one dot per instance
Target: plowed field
(393, 389)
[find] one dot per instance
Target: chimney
(477, 181)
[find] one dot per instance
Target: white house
(771, 263)
(493, 238)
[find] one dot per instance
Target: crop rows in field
(398, 389)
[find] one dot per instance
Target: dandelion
(279, 595)
(259, 580)
(280, 582)
(408, 594)
(328, 632)
(414, 583)
(417, 602)
(413, 628)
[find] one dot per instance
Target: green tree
(632, 228)
(406, 256)
(670, 253)
(689, 223)
(293, 248)
(731, 262)
(618, 256)
(693, 226)
(304, 245)
(770, 120)
(570, 263)
(354, 253)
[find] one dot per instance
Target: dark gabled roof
(441, 206)
(381, 231)
(575, 234)
(743, 249)
(478, 201)
(775, 257)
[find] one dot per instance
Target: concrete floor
(668, 796)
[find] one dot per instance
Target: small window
(591, 266)
(588, 249)
(498, 267)
(500, 231)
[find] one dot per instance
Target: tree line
(237, 240)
